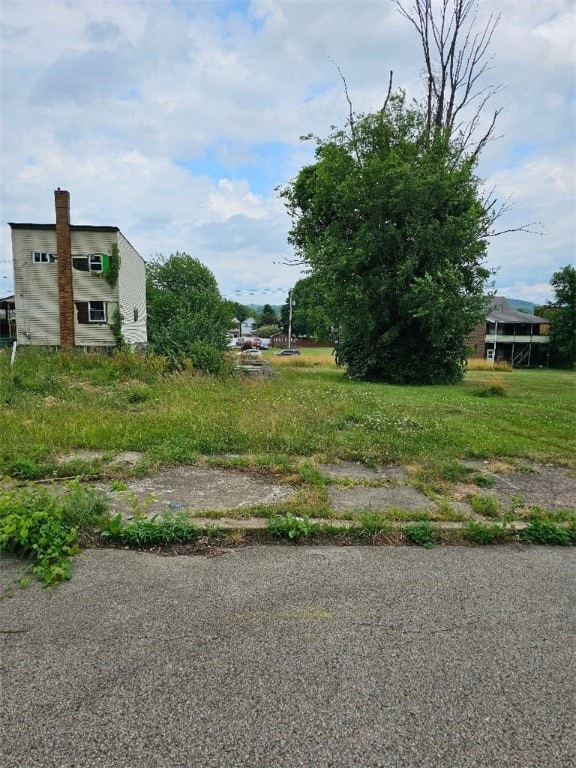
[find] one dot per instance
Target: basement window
(91, 311)
(40, 257)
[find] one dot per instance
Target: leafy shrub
(33, 524)
(421, 534)
(545, 532)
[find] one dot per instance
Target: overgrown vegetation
(157, 531)
(48, 527)
(54, 404)
(562, 316)
(188, 320)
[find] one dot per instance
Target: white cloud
(175, 121)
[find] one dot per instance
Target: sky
(177, 121)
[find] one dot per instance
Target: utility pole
(290, 305)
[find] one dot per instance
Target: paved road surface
(279, 657)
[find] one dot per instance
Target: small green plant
(138, 395)
(421, 534)
(456, 472)
(118, 485)
(140, 506)
(83, 507)
(487, 506)
(112, 526)
(292, 526)
(371, 523)
(483, 481)
(310, 474)
(113, 271)
(159, 531)
(26, 469)
(485, 534)
(494, 389)
(116, 328)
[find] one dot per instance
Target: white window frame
(95, 262)
(102, 313)
(41, 257)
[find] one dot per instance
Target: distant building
(77, 286)
(511, 335)
(7, 320)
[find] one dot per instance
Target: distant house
(511, 335)
(77, 286)
(248, 326)
(7, 320)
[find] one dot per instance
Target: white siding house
(93, 302)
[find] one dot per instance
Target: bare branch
(456, 57)
(388, 93)
(351, 111)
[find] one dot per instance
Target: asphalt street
(286, 656)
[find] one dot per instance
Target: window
(80, 263)
(91, 311)
(96, 312)
(135, 314)
(95, 262)
(40, 257)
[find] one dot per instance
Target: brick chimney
(64, 251)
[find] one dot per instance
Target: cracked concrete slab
(196, 488)
(540, 485)
(357, 471)
(361, 497)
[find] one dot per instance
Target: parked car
(285, 352)
(250, 352)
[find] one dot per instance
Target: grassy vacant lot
(52, 404)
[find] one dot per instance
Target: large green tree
(187, 317)
(268, 316)
(391, 221)
(312, 313)
(562, 316)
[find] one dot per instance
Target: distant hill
(523, 306)
(260, 307)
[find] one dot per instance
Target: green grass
(55, 404)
